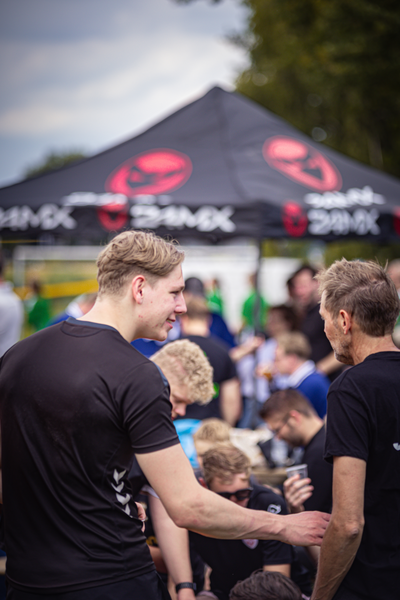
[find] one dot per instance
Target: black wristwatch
(185, 584)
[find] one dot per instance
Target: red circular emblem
(294, 219)
(113, 216)
(302, 163)
(396, 220)
(152, 172)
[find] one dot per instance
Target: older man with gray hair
(360, 554)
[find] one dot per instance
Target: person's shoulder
(319, 378)
(211, 342)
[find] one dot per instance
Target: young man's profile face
(163, 301)
(238, 483)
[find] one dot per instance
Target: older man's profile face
(339, 342)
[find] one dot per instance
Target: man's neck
(107, 311)
(366, 345)
(195, 327)
(313, 425)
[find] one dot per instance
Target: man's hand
(304, 529)
(296, 492)
(141, 514)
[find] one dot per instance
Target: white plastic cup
(302, 470)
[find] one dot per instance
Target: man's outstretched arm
(344, 532)
(193, 507)
(173, 542)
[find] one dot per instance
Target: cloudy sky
(87, 74)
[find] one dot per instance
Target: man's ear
(295, 414)
(203, 483)
(345, 321)
(137, 286)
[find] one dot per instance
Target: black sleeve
(146, 410)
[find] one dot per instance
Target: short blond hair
(225, 461)
(212, 430)
(187, 361)
(135, 252)
(294, 342)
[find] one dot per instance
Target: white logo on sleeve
(274, 508)
(396, 446)
(118, 487)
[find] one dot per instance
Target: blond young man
(360, 555)
(71, 424)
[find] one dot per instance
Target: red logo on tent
(302, 163)
(153, 172)
(113, 216)
(294, 219)
(396, 220)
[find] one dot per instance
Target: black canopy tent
(218, 168)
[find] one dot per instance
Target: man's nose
(180, 305)
(180, 410)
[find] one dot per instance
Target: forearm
(173, 542)
(337, 554)
(193, 507)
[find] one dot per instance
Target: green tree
(329, 67)
(53, 161)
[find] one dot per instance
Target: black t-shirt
(364, 422)
(234, 560)
(320, 473)
(77, 401)
(224, 369)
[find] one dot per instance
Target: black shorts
(144, 587)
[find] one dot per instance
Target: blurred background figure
(210, 433)
(257, 350)
(11, 313)
(254, 309)
(292, 358)
(227, 401)
(214, 298)
(266, 585)
(37, 307)
(393, 271)
(303, 292)
(77, 308)
(194, 288)
(293, 419)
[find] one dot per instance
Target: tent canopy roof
(219, 167)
